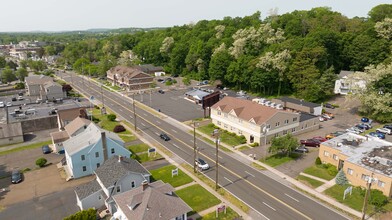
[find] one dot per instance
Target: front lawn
(230, 214)
(309, 181)
(26, 147)
(197, 198)
(226, 137)
(279, 158)
(144, 157)
(138, 148)
(105, 123)
(165, 174)
(319, 171)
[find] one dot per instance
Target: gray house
(116, 175)
(43, 87)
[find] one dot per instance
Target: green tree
(7, 75)
(284, 144)
(2, 61)
(380, 12)
(341, 178)
(41, 162)
(89, 214)
(81, 65)
(21, 73)
(111, 117)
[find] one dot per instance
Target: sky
(66, 15)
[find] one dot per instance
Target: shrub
(242, 139)
(332, 170)
(169, 83)
(19, 86)
(41, 162)
(111, 117)
(96, 107)
(377, 198)
(186, 81)
(118, 128)
(255, 144)
(318, 161)
(89, 214)
(96, 120)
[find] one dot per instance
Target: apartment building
(360, 158)
(129, 78)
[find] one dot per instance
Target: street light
(265, 131)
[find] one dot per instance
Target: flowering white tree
(384, 28)
(219, 31)
(167, 45)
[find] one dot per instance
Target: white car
(9, 104)
(201, 164)
(384, 130)
(2, 105)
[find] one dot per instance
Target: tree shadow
(29, 137)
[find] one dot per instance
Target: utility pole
(194, 147)
(365, 202)
(216, 132)
(134, 110)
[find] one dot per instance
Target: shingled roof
(246, 110)
(87, 189)
(115, 168)
(152, 201)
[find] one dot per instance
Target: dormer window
(219, 113)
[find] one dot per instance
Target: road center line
(144, 114)
(220, 157)
(292, 197)
(249, 174)
(130, 116)
(120, 110)
(228, 180)
(269, 206)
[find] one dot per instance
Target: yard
(27, 146)
(279, 158)
(165, 174)
(138, 148)
(309, 181)
(144, 157)
(319, 171)
(197, 198)
(225, 137)
(230, 214)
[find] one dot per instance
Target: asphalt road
(269, 198)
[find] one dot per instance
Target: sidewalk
(325, 186)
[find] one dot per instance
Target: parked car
(175, 75)
(361, 127)
(327, 116)
(2, 105)
(377, 135)
(13, 99)
(219, 86)
(384, 130)
(20, 98)
(388, 126)
(159, 80)
(9, 104)
(321, 118)
(201, 164)
(364, 119)
(329, 105)
(310, 143)
(16, 177)
(301, 149)
(367, 126)
(334, 134)
(161, 91)
(164, 137)
(46, 149)
(319, 138)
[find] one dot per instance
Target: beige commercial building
(129, 78)
(259, 123)
(361, 158)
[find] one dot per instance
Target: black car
(46, 149)
(161, 91)
(175, 75)
(329, 105)
(164, 137)
(13, 99)
(301, 149)
(16, 177)
(160, 80)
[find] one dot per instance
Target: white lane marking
(220, 157)
(175, 145)
(156, 133)
(292, 198)
(143, 124)
(249, 174)
(130, 116)
(269, 206)
(174, 131)
(144, 114)
(228, 180)
(121, 110)
(158, 122)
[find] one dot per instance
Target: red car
(319, 138)
(310, 143)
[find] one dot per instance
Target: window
(98, 164)
(350, 171)
(306, 125)
(133, 184)
(381, 184)
(276, 135)
(284, 132)
(225, 126)
(268, 126)
(286, 121)
(326, 153)
(240, 121)
(118, 189)
(293, 130)
(82, 157)
(277, 124)
(112, 150)
(218, 122)
(232, 128)
(96, 154)
(335, 157)
(302, 128)
(294, 119)
(364, 177)
(84, 168)
(219, 113)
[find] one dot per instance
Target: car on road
(310, 143)
(201, 164)
(164, 137)
(377, 135)
(161, 91)
(384, 130)
(9, 104)
(319, 138)
(2, 105)
(301, 149)
(46, 149)
(16, 177)
(329, 105)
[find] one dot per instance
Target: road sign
(151, 150)
(346, 191)
(175, 172)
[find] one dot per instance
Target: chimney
(144, 185)
(104, 146)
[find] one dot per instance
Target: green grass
(257, 166)
(127, 137)
(243, 148)
(354, 201)
(26, 147)
(278, 159)
(164, 174)
(144, 157)
(197, 198)
(105, 123)
(225, 137)
(309, 181)
(138, 148)
(318, 171)
(230, 214)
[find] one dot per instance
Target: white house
(150, 201)
(85, 152)
(348, 83)
(116, 175)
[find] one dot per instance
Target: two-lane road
(269, 198)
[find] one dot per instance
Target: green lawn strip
(26, 147)
(318, 171)
(278, 159)
(127, 137)
(224, 136)
(138, 148)
(243, 148)
(230, 214)
(165, 174)
(197, 198)
(144, 157)
(257, 166)
(309, 181)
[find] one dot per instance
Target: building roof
(246, 109)
(149, 68)
(305, 116)
(10, 130)
(87, 189)
(299, 102)
(155, 201)
(38, 79)
(90, 136)
(344, 73)
(71, 113)
(76, 124)
(59, 136)
(50, 83)
(369, 152)
(115, 168)
(126, 72)
(197, 94)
